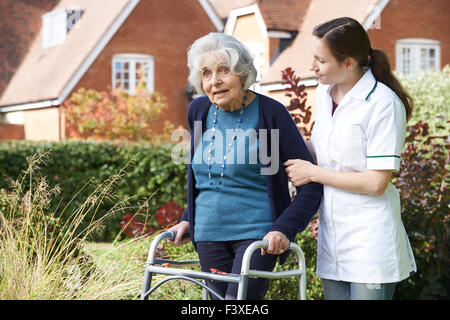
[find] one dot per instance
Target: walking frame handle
(246, 272)
(245, 269)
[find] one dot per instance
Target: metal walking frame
(154, 265)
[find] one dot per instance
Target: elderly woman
(232, 200)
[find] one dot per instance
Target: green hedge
(72, 164)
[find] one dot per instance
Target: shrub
(431, 93)
(288, 288)
(77, 166)
(165, 217)
(422, 183)
(116, 115)
(301, 114)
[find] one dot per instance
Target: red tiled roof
(20, 21)
(284, 15)
(298, 55)
(45, 72)
(223, 7)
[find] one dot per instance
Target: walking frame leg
(245, 268)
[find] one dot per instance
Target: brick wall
(164, 30)
(12, 131)
(413, 19)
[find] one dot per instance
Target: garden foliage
(157, 184)
(301, 114)
(423, 186)
(116, 115)
(76, 166)
(431, 93)
(43, 257)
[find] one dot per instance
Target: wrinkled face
(222, 87)
(327, 69)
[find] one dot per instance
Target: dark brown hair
(346, 37)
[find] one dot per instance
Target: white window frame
(133, 59)
(54, 28)
(415, 46)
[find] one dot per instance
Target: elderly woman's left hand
(278, 243)
(299, 171)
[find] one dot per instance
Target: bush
(77, 166)
(431, 94)
(422, 183)
(116, 115)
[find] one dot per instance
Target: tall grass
(44, 257)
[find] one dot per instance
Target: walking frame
(161, 266)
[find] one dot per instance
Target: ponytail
(346, 37)
(381, 70)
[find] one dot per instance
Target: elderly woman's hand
(181, 229)
(300, 172)
(278, 243)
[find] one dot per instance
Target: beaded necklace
(229, 146)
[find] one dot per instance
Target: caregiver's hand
(299, 172)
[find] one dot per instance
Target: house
(95, 44)
(414, 34)
(267, 27)
(105, 38)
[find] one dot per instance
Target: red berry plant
(165, 217)
(301, 113)
(302, 116)
(132, 226)
(169, 214)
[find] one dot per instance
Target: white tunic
(361, 237)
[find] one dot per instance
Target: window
(414, 55)
(128, 70)
(56, 24)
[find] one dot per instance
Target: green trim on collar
(371, 91)
(386, 156)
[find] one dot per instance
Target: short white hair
(220, 47)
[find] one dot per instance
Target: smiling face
(328, 70)
(223, 88)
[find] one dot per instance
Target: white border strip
(235, 13)
(375, 13)
(217, 22)
(31, 105)
(279, 34)
(279, 86)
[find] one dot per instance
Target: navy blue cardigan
(288, 217)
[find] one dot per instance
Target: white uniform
(361, 237)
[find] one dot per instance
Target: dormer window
(56, 24)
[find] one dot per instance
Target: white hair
(219, 47)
